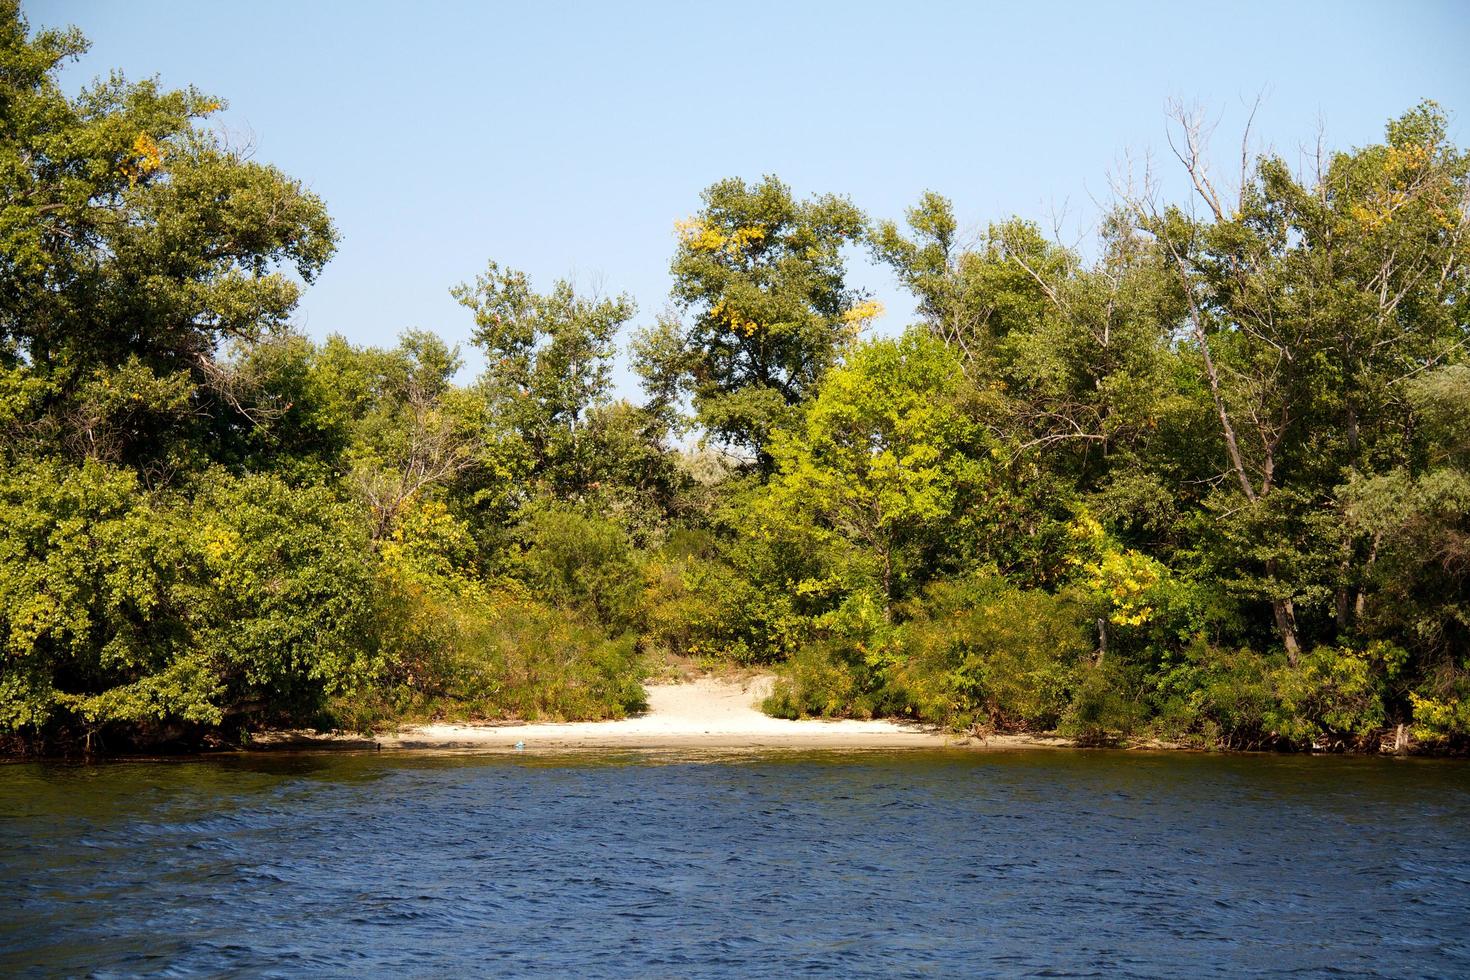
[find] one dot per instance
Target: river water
(908, 863)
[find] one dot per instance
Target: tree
(881, 458)
(970, 294)
(128, 612)
(1073, 358)
(132, 244)
(1310, 302)
(548, 364)
(760, 278)
(413, 432)
(1416, 517)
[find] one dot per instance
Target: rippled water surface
(915, 863)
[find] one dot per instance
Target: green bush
(456, 645)
(508, 658)
(1008, 656)
(1333, 697)
(977, 652)
(821, 680)
(1216, 697)
(145, 615)
(848, 672)
(580, 561)
(1107, 703)
(724, 601)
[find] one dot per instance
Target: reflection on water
(729, 863)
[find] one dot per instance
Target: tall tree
(1073, 357)
(1310, 302)
(132, 244)
(761, 281)
(882, 458)
(548, 364)
(971, 293)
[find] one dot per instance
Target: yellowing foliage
(147, 159)
(698, 235)
(1403, 180)
(737, 322)
(1122, 576)
(220, 546)
(1125, 578)
(862, 314)
(1437, 720)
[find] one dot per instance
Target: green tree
(1310, 301)
(412, 431)
(129, 612)
(882, 457)
(760, 278)
(134, 243)
(1415, 589)
(1074, 360)
(548, 365)
(970, 294)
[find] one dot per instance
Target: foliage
(1008, 657)
(134, 243)
(122, 607)
(976, 653)
(456, 643)
(760, 276)
(883, 458)
(451, 658)
(548, 365)
(580, 561)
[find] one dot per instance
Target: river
(918, 863)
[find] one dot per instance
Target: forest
(1205, 480)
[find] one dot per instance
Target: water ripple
(909, 864)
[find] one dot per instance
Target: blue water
(916, 863)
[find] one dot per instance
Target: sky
(565, 139)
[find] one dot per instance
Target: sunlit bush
(140, 614)
(457, 644)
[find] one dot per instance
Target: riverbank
(709, 712)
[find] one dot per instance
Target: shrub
(821, 680)
(1216, 697)
(508, 658)
(1007, 656)
(976, 652)
(580, 561)
(716, 600)
(1106, 703)
(143, 616)
(1441, 710)
(456, 645)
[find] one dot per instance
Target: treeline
(1211, 483)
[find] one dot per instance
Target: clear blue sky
(566, 138)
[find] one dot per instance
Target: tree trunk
(1362, 598)
(1285, 613)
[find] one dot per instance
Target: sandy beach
(704, 713)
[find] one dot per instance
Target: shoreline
(707, 713)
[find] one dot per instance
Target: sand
(706, 713)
